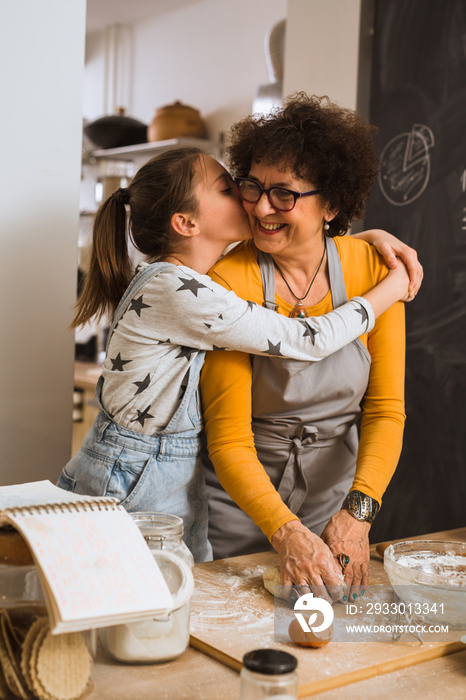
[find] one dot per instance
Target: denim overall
(158, 473)
(304, 423)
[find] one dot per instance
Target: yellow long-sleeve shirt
(226, 389)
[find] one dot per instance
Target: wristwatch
(360, 506)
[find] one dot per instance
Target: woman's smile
(279, 232)
(268, 227)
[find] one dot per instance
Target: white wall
(207, 55)
(42, 57)
(94, 77)
(322, 49)
(328, 52)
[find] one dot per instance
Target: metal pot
(116, 131)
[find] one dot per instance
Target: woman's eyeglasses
(279, 197)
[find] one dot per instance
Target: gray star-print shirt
(179, 314)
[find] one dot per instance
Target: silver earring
(326, 226)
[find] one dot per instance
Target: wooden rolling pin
(381, 547)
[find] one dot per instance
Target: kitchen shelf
(149, 149)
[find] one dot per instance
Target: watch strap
(361, 506)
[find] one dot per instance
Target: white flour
(232, 602)
(452, 567)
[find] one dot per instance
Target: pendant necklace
(299, 310)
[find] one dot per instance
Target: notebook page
(37, 493)
(96, 563)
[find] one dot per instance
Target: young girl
(143, 448)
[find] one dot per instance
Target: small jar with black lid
(269, 673)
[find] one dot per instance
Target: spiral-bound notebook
(94, 564)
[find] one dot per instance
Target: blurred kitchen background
(68, 62)
(88, 95)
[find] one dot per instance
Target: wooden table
(433, 671)
(86, 375)
(197, 677)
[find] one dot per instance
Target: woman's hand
(345, 535)
(390, 248)
(306, 561)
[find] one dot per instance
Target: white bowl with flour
(430, 578)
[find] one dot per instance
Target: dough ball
(309, 639)
(271, 578)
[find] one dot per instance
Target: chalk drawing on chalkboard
(405, 165)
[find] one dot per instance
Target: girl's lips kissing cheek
(269, 228)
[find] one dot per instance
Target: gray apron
(304, 418)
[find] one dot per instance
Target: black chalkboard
(418, 101)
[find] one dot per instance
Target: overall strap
(137, 283)
(139, 280)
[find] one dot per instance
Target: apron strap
(293, 484)
(267, 269)
(337, 282)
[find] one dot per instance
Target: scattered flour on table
(233, 602)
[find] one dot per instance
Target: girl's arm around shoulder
(392, 249)
(250, 328)
(192, 310)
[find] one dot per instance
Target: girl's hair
(319, 141)
(162, 187)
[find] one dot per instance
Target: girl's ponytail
(110, 268)
(163, 186)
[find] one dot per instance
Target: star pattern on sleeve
(142, 386)
(142, 416)
(118, 363)
(186, 352)
(138, 305)
(364, 315)
(274, 349)
(192, 285)
(309, 331)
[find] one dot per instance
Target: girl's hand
(399, 276)
(390, 248)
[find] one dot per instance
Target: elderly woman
(282, 435)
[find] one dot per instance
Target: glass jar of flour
(166, 637)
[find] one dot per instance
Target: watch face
(360, 506)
